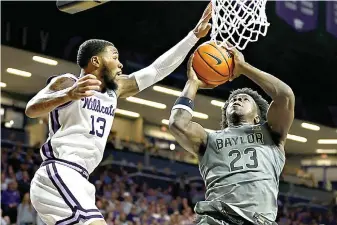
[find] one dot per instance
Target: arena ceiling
(23, 60)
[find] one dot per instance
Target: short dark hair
(261, 103)
(89, 49)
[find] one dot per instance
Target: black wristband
(185, 101)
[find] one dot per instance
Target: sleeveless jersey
(78, 130)
(241, 168)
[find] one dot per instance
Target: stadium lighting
(166, 122)
(2, 84)
(200, 115)
(127, 113)
(310, 126)
(47, 61)
(327, 141)
(19, 72)
(326, 151)
(209, 130)
(166, 90)
(296, 138)
(146, 102)
(172, 147)
(9, 124)
(217, 103)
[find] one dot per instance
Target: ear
(95, 61)
(257, 120)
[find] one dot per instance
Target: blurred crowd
(122, 199)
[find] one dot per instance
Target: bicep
(281, 115)
(54, 85)
(60, 83)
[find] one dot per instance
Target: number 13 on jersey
(97, 126)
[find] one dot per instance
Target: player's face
(241, 105)
(111, 67)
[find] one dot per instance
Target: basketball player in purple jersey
(81, 111)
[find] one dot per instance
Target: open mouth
(119, 73)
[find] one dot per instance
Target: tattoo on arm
(126, 86)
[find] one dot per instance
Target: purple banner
(301, 15)
(331, 17)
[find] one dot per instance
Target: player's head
(102, 58)
(244, 105)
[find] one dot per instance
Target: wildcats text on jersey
(95, 105)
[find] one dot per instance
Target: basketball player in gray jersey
(241, 163)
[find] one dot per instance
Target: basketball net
(238, 22)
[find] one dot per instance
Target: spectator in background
(10, 200)
(24, 182)
(4, 181)
(127, 203)
(26, 212)
(4, 220)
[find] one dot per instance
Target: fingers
(190, 61)
(89, 82)
(208, 27)
(86, 77)
(206, 16)
(86, 86)
(84, 94)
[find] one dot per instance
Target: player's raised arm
(166, 63)
(59, 91)
(190, 135)
(281, 111)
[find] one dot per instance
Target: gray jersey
(241, 168)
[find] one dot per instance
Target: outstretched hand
(203, 25)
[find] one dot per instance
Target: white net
(238, 22)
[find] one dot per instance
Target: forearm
(189, 92)
(166, 63)
(45, 103)
(189, 135)
(273, 86)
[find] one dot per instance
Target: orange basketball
(213, 65)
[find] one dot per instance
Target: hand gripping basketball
(239, 61)
(84, 87)
(213, 64)
(191, 75)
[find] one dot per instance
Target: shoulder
(66, 76)
(60, 82)
(276, 137)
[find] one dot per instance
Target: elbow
(289, 94)
(30, 112)
(286, 93)
(176, 126)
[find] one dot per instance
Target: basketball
(212, 64)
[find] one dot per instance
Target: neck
(237, 120)
(86, 72)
